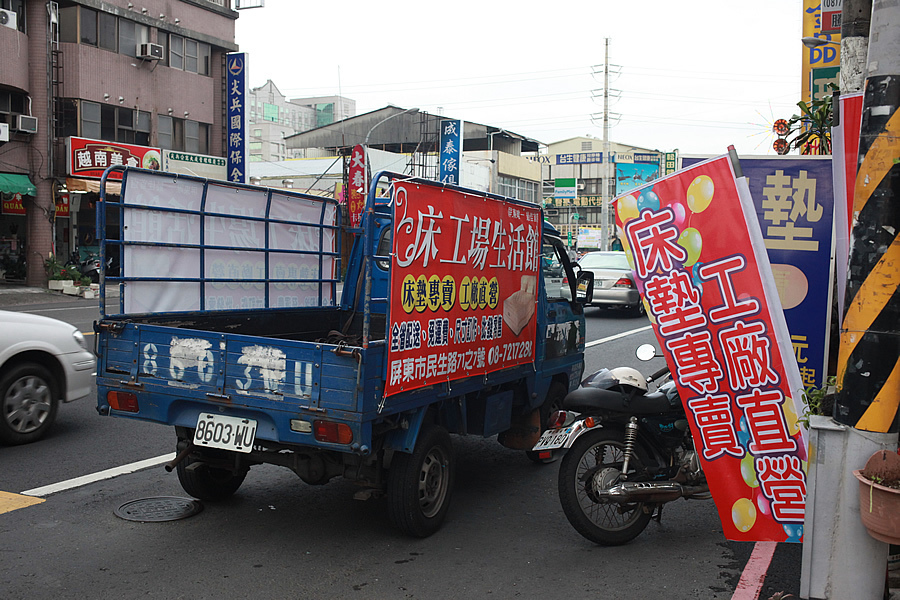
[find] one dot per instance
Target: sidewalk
(17, 294)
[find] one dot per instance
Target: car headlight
(79, 339)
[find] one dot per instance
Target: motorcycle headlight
(79, 339)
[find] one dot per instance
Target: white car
(43, 362)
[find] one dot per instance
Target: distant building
(273, 117)
(494, 159)
(582, 159)
(86, 84)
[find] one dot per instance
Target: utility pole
(850, 564)
(855, 20)
(608, 175)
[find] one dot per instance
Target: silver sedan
(613, 281)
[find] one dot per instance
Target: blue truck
(232, 326)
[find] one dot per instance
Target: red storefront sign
(90, 158)
(698, 253)
(62, 205)
(13, 205)
(358, 182)
(463, 286)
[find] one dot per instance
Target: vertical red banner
(358, 182)
(698, 254)
(464, 283)
(845, 159)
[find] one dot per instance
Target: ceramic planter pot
(879, 505)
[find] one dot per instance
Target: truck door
(564, 329)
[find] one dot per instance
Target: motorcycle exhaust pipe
(644, 491)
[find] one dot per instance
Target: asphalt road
(505, 535)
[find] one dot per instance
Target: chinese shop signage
(698, 254)
(236, 119)
(358, 180)
(451, 150)
(88, 159)
(464, 283)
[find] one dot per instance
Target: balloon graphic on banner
(679, 214)
(748, 471)
(695, 276)
(794, 532)
(691, 241)
(648, 200)
(761, 502)
(743, 514)
(700, 193)
(627, 209)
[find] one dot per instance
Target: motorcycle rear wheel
(596, 452)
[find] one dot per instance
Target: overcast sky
(696, 75)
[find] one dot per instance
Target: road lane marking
(10, 502)
(751, 582)
(99, 476)
(617, 336)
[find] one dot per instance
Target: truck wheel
(553, 402)
(420, 484)
(208, 483)
(28, 403)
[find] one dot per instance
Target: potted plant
(879, 496)
(59, 277)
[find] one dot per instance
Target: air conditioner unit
(580, 186)
(26, 124)
(8, 18)
(148, 51)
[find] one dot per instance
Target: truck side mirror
(584, 287)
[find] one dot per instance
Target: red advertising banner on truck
(698, 253)
(464, 281)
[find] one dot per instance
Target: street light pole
(366, 143)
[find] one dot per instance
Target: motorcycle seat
(592, 400)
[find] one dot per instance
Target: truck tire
(28, 403)
(420, 484)
(553, 402)
(208, 483)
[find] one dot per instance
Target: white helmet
(631, 377)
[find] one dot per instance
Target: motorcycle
(628, 451)
(89, 266)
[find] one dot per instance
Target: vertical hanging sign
(236, 149)
(715, 311)
(451, 150)
(357, 181)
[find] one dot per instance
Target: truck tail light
(335, 433)
(122, 401)
(624, 282)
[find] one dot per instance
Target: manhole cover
(165, 508)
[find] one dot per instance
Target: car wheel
(28, 403)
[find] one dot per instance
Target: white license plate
(552, 439)
(227, 433)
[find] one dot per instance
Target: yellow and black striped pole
(868, 369)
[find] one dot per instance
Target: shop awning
(11, 183)
(74, 184)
